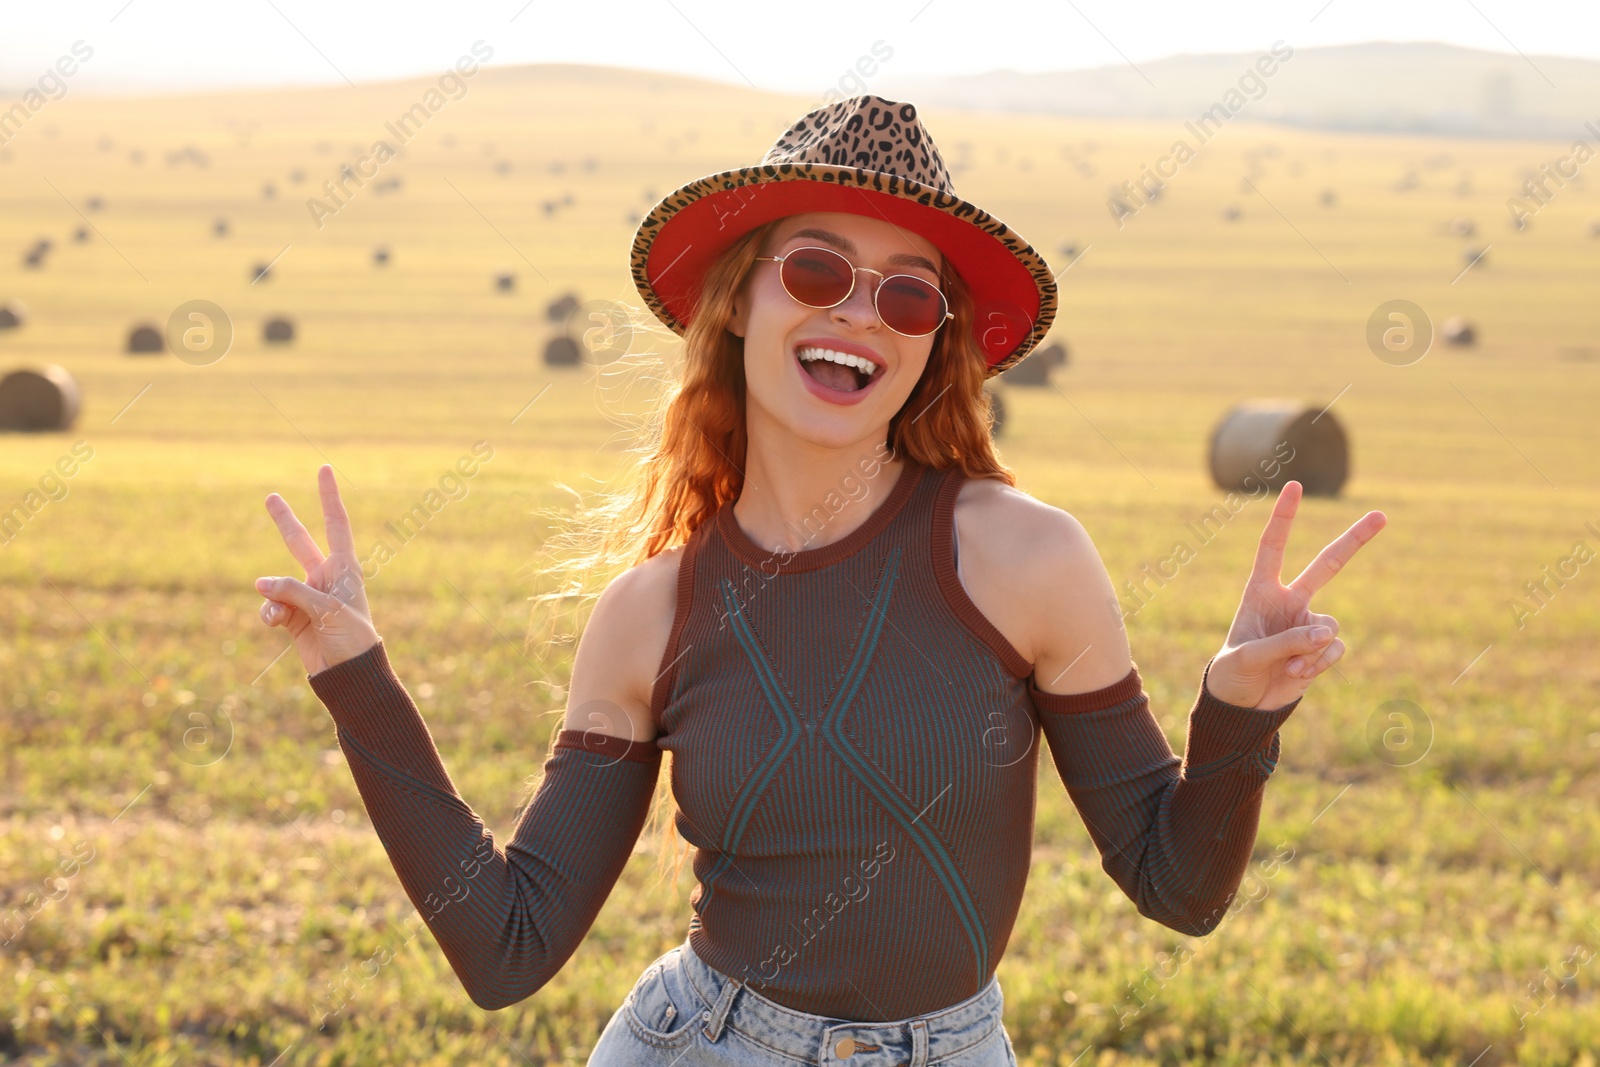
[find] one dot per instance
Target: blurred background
(237, 242)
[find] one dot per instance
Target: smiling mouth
(839, 371)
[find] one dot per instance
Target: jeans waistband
(816, 1039)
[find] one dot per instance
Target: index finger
(1331, 560)
(334, 518)
(1275, 538)
(302, 546)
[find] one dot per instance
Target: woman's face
(830, 408)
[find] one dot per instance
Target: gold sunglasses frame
(854, 270)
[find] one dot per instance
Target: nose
(859, 309)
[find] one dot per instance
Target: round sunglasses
(822, 278)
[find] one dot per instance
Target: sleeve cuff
(1130, 686)
(609, 746)
(1220, 731)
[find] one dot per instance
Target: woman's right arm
(507, 920)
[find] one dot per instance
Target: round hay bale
(1473, 254)
(220, 228)
(1232, 213)
(997, 409)
(34, 259)
(1594, 228)
(81, 234)
(13, 315)
(562, 351)
(278, 331)
(1269, 442)
(380, 257)
(44, 398)
(144, 339)
(94, 203)
(1462, 226)
(505, 282)
(1329, 198)
(1035, 369)
(1459, 332)
(260, 272)
(268, 191)
(561, 309)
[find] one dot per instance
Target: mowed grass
(1423, 890)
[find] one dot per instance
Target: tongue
(833, 375)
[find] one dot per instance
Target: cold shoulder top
(855, 751)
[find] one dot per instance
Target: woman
(849, 628)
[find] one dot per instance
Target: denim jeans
(683, 1013)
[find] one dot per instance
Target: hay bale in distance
(380, 256)
(144, 339)
(1035, 368)
(1594, 228)
(1232, 213)
(1472, 255)
(562, 308)
(1459, 332)
(13, 315)
(562, 351)
(278, 331)
(81, 234)
(505, 282)
(39, 399)
(1462, 226)
(219, 228)
(1272, 441)
(94, 203)
(1329, 198)
(260, 272)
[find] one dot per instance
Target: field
(1424, 889)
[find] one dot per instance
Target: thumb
(1297, 641)
(298, 594)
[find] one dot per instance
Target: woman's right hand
(327, 613)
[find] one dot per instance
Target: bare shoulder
(1034, 571)
(620, 650)
(1017, 534)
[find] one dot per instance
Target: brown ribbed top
(855, 759)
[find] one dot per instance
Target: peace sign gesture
(1277, 644)
(327, 613)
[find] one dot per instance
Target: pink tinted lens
(910, 305)
(817, 277)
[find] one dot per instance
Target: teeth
(865, 366)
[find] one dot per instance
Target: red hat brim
(1013, 289)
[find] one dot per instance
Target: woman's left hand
(1277, 644)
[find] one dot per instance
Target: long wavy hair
(695, 437)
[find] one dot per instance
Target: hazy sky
(800, 47)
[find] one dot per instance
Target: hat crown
(869, 133)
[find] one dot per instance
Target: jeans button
(845, 1048)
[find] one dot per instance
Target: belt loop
(718, 1014)
(919, 1043)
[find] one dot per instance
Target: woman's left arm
(1176, 835)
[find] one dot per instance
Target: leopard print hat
(868, 156)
